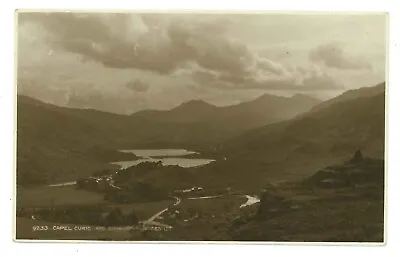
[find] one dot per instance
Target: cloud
(312, 83)
(181, 46)
(266, 75)
(137, 85)
(140, 41)
(332, 55)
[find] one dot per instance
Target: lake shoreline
(180, 157)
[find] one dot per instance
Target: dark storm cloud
(332, 55)
(184, 56)
(110, 39)
(152, 43)
(193, 45)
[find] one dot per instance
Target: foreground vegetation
(339, 203)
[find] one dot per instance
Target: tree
(358, 157)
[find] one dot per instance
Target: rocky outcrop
(357, 170)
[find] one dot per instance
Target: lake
(166, 156)
(159, 152)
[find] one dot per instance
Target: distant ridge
(195, 104)
(354, 119)
(297, 147)
(263, 110)
(59, 143)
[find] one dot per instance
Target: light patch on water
(71, 183)
(204, 197)
(159, 152)
(250, 201)
(182, 162)
(172, 157)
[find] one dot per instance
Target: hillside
(296, 147)
(53, 146)
(340, 203)
(331, 126)
(352, 124)
(311, 189)
(352, 94)
(56, 144)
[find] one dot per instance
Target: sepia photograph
(200, 126)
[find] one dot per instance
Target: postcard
(200, 126)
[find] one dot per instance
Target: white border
(7, 128)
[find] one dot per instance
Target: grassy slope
(353, 94)
(331, 220)
(281, 151)
(297, 147)
(314, 213)
(56, 144)
(53, 146)
(306, 213)
(355, 122)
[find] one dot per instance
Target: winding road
(151, 221)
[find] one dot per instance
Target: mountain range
(263, 110)
(294, 148)
(56, 143)
(353, 119)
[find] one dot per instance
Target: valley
(199, 172)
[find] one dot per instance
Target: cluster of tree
(137, 170)
(97, 184)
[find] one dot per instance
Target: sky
(127, 62)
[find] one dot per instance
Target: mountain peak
(197, 103)
(297, 96)
(268, 96)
